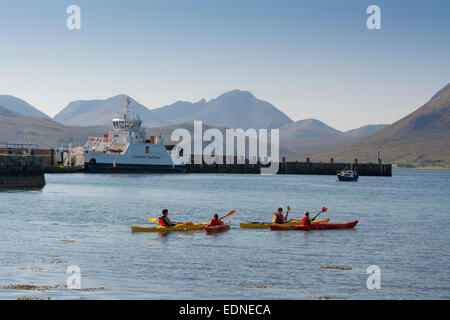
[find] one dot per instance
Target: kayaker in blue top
(278, 216)
(164, 219)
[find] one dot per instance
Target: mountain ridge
(366, 130)
(20, 106)
(232, 109)
(308, 128)
(19, 128)
(98, 112)
(421, 138)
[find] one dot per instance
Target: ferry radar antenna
(128, 104)
(127, 108)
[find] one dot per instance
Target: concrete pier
(21, 171)
(47, 160)
(296, 167)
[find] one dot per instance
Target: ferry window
(121, 125)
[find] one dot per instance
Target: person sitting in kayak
(164, 219)
(278, 216)
(215, 221)
(306, 220)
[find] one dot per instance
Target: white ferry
(126, 148)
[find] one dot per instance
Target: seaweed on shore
(336, 268)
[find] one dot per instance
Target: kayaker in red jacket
(278, 216)
(164, 219)
(306, 220)
(215, 221)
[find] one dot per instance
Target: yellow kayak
(262, 225)
(187, 226)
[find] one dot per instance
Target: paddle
(323, 210)
(288, 209)
(228, 214)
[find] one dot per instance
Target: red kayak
(218, 228)
(317, 226)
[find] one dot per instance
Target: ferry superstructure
(126, 148)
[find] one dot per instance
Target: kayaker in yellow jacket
(278, 216)
(164, 219)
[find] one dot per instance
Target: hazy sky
(311, 59)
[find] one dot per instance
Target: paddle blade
(229, 213)
(324, 209)
(288, 208)
(152, 219)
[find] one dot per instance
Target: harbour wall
(21, 171)
(48, 161)
(295, 167)
(47, 156)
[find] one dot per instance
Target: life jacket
(214, 222)
(162, 222)
(277, 218)
(306, 221)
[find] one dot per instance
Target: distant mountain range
(304, 137)
(420, 139)
(85, 113)
(312, 128)
(233, 109)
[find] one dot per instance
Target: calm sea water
(403, 228)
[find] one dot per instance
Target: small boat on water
(347, 175)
